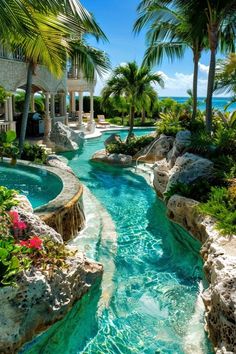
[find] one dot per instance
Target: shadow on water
(80, 323)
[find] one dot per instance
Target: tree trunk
(26, 106)
(213, 40)
(131, 122)
(195, 84)
(143, 116)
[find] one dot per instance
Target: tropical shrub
(8, 147)
(197, 190)
(169, 124)
(201, 143)
(225, 166)
(222, 206)
(225, 141)
(132, 147)
(7, 198)
(34, 152)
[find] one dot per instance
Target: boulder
(65, 138)
(161, 176)
(113, 159)
(182, 141)
(112, 139)
(156, 150)
(188, 168)
(42, 298)
(59, 162)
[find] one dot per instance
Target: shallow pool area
(154, 306)
(37, 184)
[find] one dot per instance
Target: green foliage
(225, 166)
(197, 190)
(3, 94)
(169, 124)
(225, 141)
(7, 146)
(222, 206)
(201, 143)
(34, 152)
(7, 198)
(12, 261)
(130, 148)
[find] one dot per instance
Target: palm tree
(225, 80)
(44, 33)
(131, 82)
(147, 101)
(170, 33)
(219, 18)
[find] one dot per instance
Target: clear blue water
(218, 103)
(155, 275)
(38, 185)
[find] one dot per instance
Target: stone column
(13, 105)
(47, 120)
(64, 105)
(6, 109)
(73, 104)
(62, 109)
(91, 108)
(10, 114)
(91, 123)
(81, 99)
(52, 107)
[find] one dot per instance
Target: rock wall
(219, 255)
(42, 297)
(39, 300)
(218, 252)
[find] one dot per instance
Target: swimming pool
(37, 184)
(154, 305)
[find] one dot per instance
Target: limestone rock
(161, 176)
(59, 162)
(65, 138)
(37, 227)
(219, 255)
(188, 168)
(114, 159)
(40, 299)
(182, 140)
(156, 150)
(112, 139)
(24, 203)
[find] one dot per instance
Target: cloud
(203, 68)
(179, 83)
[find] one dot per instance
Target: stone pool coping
(67, 203)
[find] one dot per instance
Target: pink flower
(20, 225)
(14, 216)
(33, 243)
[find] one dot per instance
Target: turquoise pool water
(37, 184)
(154, 304)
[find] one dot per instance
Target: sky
(116, 18)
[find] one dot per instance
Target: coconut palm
(219, 18)
(225, 80)
(131, 82)
(170, 33)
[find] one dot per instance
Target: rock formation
(156, 150)
(112, 139)
(218, 252)
(114, 159)
(65, 138)
(42, 297)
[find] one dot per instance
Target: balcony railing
(17, 54)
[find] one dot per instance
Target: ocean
(218, 102)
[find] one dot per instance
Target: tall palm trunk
(131, 122)
(143, 116)
(213, 40)
(195, 84)
(26, 106)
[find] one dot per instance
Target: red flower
(34, 243)
(14, 216)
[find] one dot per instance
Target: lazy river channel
(154, 305)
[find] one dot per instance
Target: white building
(13, 76)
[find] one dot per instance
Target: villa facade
(13, 76)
